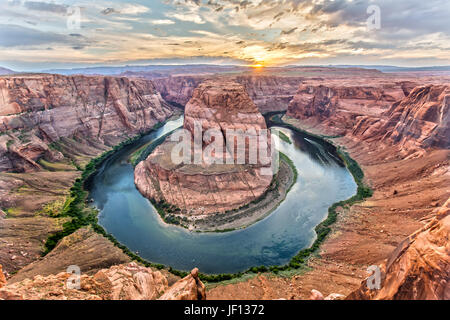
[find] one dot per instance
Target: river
(132, 220)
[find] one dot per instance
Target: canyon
(395, 126)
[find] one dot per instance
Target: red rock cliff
(36, 110)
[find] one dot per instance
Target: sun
(258, 65)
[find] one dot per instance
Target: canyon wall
(36, 110)
(338, 106)
(207, 188)
(412, 118)
(422, 118)
(269, 93)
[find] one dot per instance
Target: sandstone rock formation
(188, 288)
(51, 126)
(121, 282)
(338, 107)
(207, 188)
(36, 110)
(397, 114)
(179, 89)
(419, 269)
(71, 250)
(406, 188)
(422, 118)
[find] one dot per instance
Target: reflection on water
(323, 180)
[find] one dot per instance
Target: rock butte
(205, 189)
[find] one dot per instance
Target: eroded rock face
(338, 107)
(410, 118)
(419, 269)
(36, 110)
(223, 106)
(121, 282)
(207, 188)
(422, 118)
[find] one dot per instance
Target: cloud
(186, 17)
(126, 9)
(14, 35)
(162, 22)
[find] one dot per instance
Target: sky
(39, 35)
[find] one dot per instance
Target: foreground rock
(188, 288)
(72, 250)
(197, 189)
(419, 269)
(121, 282)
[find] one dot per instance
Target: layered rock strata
(51, 126)
(204, 188)
(37, 110)
(410, 179)
(415, 118)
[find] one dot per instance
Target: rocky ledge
(121, 282)
(203, 189)
(419, 268)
